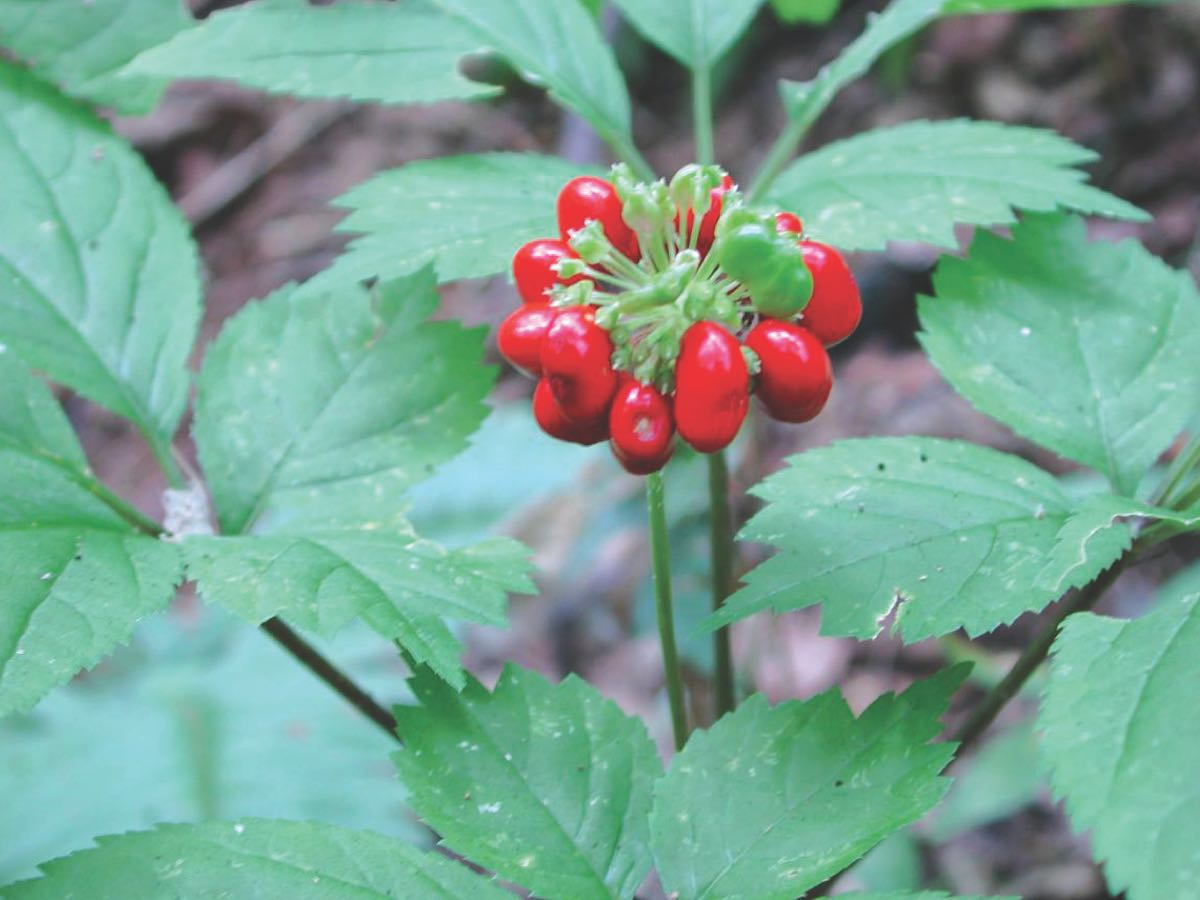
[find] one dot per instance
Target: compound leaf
(1120, 726)
(695, 32)
(84, 47)
(253, 858)
(914, 182)
(944, 534)
(99, 285)
(466, 214)
(367, 51)
(810, 788)
(1112, 329)
(547, 785)
(77, 578)
(315, 412)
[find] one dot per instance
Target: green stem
(661, 553)
(308, 656)
(163, 455)
(1181, 467)
(702, 114)
(786, 145)
(721, 537)
(1034, 655)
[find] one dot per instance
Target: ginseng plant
(651, 311)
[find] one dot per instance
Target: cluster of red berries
(662, 308)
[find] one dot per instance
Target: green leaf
(557, 45)
(1097, 533)
(805, 101)
(314, 413)
(943, 534)
(465, 214)
(814, 12)
(547, 785)
(367, 51)
(84, 47)
(31, 419)
(914, 182)
(993, 6)
(695, 32)
(98, 276)
(253, 858)
(772, 801)
(77, 579)
(1087, 348)
(317, 410)
(1120, 726)
(199, 718)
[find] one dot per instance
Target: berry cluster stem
(661, 554)
(721, 536)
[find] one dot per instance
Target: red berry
(586, 198)
(533, 268)
(520, 336)
(835, 308)
(712, 387)
(577, 362)
(788, 223)
(640, 426)
(550, 418)
(796, 375)
(708, 222)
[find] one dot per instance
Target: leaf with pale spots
(367, 51)
(77, 578)
(915, 182)
(315, 412)
(1120, 726)
(547, 785)
(771, 801)
(99, 286)
(465, 214)
(942, 534)
(1099, 532)
(253, 858)
(1087, 348)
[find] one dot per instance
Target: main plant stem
(1034, 655)
(308, 656)
(304, 652)
(721, 538)
(660, 551)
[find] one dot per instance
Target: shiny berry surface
(796, 375)
(521, 334)
(789, 223)
(641, 427)
(550, 418)
(533, 268)
(712, 387)
(835, 308)
(586, 198)
(577, 362)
